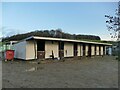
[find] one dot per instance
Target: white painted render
(30, 50)
(101, 50)
(92, 49)
(97, 50)
(81, 54)
(26, 49)
(49, 47)
(20, 50)
(79, 48)
(86, 49)
(68, 47)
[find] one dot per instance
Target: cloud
(107, 37)
(6, 31)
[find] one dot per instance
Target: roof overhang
(67, 40)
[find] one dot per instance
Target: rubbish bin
(9, 55)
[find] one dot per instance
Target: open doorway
(95, 50)
(99, 50)
(103, 50)
(89, 50)
(40, 49)
(75, 49)
(61, 49)
(83, 49)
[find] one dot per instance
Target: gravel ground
(97, 72)
(0, 74)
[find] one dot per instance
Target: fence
(3, 48)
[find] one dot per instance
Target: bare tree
(113, 25)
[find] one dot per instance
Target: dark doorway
(83, 49)
(95, 50)
(75, 49)
(103, 50)
(61, 49)
(99, 50)
(40, 49)
(89, 50)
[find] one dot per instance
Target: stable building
(44, 48)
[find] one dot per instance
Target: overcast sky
(71, 17)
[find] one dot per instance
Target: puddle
(33, 69)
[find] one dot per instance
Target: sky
(72, 17)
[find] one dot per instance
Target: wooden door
(40, 54)
(61, 49)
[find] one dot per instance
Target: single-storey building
(44, 47)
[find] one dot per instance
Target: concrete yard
(97, 72)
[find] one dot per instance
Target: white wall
(79, 52)
(92, 49)
(20, 50)
(101, 50)
(69, 47)
(25, 49)
(97, 50)
(86, 49)
(49, 46)
(30, 50)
